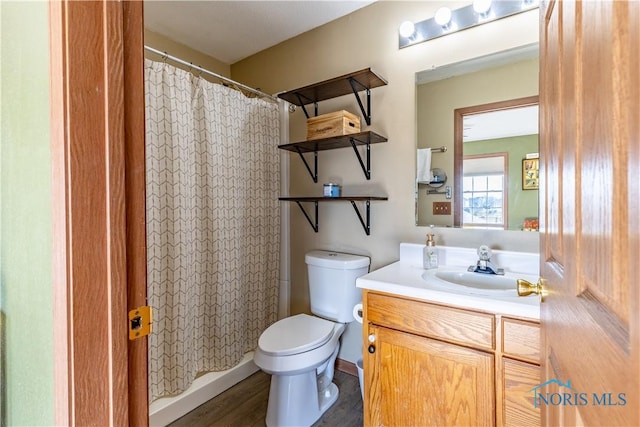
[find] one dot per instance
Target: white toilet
(300, 351)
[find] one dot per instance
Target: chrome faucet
(484, 264)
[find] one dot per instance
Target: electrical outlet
(442, 208)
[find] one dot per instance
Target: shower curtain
(213, 224)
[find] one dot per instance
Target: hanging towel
(424, 175)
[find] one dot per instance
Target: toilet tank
(332, 283)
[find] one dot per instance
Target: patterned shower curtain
(213, 224)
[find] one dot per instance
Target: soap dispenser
(430, 255)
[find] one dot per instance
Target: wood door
(416, 381)
(99, 265)
(589, 139)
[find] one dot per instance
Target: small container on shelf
(331, 190)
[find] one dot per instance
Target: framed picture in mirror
(530, 175)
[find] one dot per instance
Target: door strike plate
(140, 320)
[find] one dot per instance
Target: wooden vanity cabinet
(429, 364)
(520, 372)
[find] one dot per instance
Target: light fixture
(447, 21)
(482, 7)
(407, 29)
(443, 17)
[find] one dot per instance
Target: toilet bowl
(302, 370)
(286, 348)
(299, 352)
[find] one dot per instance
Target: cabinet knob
(372, 349)
(372, 338)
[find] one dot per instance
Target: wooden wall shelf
(355, 82)
(361, 138)
(364, 221)
(365, 79)
(353, 140)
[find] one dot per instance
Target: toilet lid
(295, 334)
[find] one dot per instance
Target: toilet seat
(295, 334)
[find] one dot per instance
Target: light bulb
(481, 7)
(407, 29)
(443, 16)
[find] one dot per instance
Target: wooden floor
(245, 404)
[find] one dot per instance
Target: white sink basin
(451, 283)
(488, 282)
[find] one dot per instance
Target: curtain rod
(211, 73)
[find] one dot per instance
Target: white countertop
(405, 278)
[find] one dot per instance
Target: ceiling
(230, 31)
(500, 124)
(479, 63)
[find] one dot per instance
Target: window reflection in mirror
(440, 92)
(484, 193)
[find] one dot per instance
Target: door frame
(98, 221)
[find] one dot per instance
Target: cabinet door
(519, 379)
(413, 380)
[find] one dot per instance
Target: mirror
(499, 82)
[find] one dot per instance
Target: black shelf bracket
(354, 86)
(308, 101)
(314, 224)
(366, 225)
(365, 168)
(314, 172)
(363, 216)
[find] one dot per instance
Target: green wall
(521, 203)
(26, 343)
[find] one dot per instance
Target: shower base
(166, 410)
